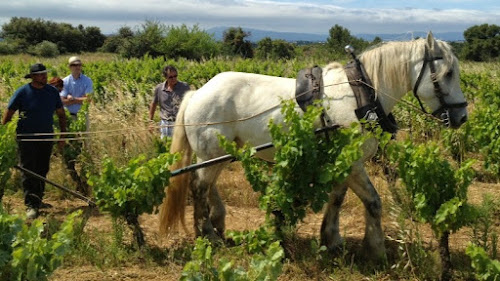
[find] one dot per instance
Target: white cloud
(270, 15)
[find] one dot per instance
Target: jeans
(167, 128)
(34, 156)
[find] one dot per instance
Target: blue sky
(306, 16)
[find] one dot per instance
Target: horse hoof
(215, 240)
(376, 253)
(336, 250)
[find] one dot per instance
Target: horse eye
(449, 74)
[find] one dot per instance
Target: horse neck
(389, 68)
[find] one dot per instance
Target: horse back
(237, 105)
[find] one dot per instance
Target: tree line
(48, 39)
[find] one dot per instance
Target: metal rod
(229, 157)
(65, 189)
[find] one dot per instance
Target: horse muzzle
(452, 117)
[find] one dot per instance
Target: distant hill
(446, 36)
(258, 34)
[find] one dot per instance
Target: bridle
(443, 109)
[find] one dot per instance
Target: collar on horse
(309, 88)
(369, 107)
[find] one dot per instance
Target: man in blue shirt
(76, 87)
(36, 102)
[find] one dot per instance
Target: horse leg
(330, 233)
(360, 183)
(217, 211)
(200, 188)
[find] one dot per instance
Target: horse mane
(332, 65)
(388, 64)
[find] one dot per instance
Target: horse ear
(431, 42)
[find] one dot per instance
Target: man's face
(39, 79)
(171, 77)
(76, 68)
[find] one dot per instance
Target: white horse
(426, 66)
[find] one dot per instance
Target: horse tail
(172, 210)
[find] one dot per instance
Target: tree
(264, 48)
(274, 49)
(146, 40)
(376, 40)
(189, 43)
(482, 42)
(283, 49)
(113, 42)
(341, 37)
(93, 38)
(234, 42)
(27, 32)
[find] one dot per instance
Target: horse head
(437, 82)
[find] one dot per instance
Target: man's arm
(69, 100)
(152, 109)
(8, 116)
(61, 115)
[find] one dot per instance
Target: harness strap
(369, 107)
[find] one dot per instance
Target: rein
(429, 59)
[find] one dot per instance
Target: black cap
(36, 69)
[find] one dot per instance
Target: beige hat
(74, 60)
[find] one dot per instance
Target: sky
(303, 16)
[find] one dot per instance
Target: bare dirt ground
(244, 215)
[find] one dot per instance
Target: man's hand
(152, 126)
(60, 145)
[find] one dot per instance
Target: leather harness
(369, 107)
(310, 87)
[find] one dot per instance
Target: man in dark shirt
(36, 102)
(168, 95)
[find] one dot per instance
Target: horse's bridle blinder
(428, 58)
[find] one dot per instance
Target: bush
(44, 49)
(8, 152)
(274, 49)
(307, 166)
(25, 254)
(189, 43)
(8, 48)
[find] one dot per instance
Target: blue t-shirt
(36, 108)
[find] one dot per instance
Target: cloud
(289, 16)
